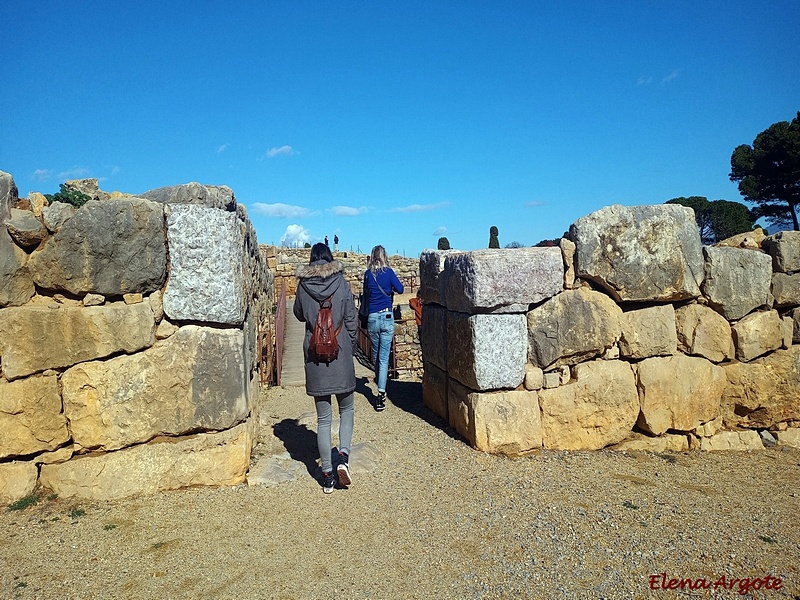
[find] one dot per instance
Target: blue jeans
(324, 415)
(381, 331)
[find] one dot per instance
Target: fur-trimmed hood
(320, 278)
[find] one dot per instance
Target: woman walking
(380, 284)
(322, 284)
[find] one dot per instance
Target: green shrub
(68, 196)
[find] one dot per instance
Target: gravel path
(435, 519)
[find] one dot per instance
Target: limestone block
(784, 248)
(458, 408)
(132, 298)
(574, 326)
(648, 332)
(25, 228)
(763, 393)
(737, 280)
(31, 418)
(110, 248)
(168, 463)
(757, 334)
(568, 248)
(34, 338)
(94, 300)
(640, 253)
(702, 331)
(534, 377)
(710, 428)
(206, 256)
(210, 196)
(786, 289)
(502, 280)
(434, 390)
(56, 456)
(748, 239)
(433, 335)
(195, 380)
(431, 264)
(505, 422)
(642, 443)
(156, 301)
(551, 379)
(486, 352)
(678, 392)
(787, 329)
(38, 203)
(732, 440)
(17, 480)
(16, 283)
(56, 214)
(788, 437)
(598, 408)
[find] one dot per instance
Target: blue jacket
(388, 282)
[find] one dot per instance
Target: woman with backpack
(324, 302)
(380, 284)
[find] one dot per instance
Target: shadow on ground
(300, 442)
(407, 395)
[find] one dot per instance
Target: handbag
(363, 305)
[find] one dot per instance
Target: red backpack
(324, 344)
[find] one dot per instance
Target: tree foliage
(494, 241)
(768, 172)
(443, 244)
(68, 196)
(514, 245)
(719, 219)
(548, 243)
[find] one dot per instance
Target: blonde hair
(377, 259)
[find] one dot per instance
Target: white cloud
(115, 171)
(222, 148)
(671, 77)
(644, 80)
(282, 151)
(440, 231)
(535, 203)
(279, 210)
(74, 173)
(295, 236)
(348, 211)
(42, 174)
(419, 207)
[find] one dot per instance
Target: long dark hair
(320, 251)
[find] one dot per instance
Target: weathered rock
(737, 280)
(506, 280)
(38, 203)
(571, 327)
(767, 439)
(458, 408)
(709, 428)
(434, 390)
(704, 332)
(678, 392)
(505, 422)
(795, 314)
(640, 253)
(757, 334)
(787, 332)
(35, 338)
(568, 248)
(9, 195)
(94, 300)
(762, 393)
(551, 379)
(433, 335)
(132, 298)
(17, 480)
(784, 248)
(206, 276)
(431, 265)
(788, 437)
(486, 352)
(648, 332)
(534, 378)
(732, 440)
(165, 329)
(193, 381)
(16, 283)
(597, 409)
(156, 301)
(25, 228)
(638, 442)
(89, 186)
(56, 214)
(56, 456)
(30, 416)
(211, 196)
(786, 289)
(748, 239)
(111, 248)
(212, 459)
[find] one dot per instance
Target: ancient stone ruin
(129, 336)
(631, 335)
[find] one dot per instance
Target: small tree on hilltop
(444, 244)
(494, 242)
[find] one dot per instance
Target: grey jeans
(324, 414)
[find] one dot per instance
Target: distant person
(380, 284)
(335, 243)
(321, 279)
(326, 242)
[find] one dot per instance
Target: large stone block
(211, 196)
(596, 409)
(505, 422)
(458, 408)
(31, 416)
(640, 253)
(757, 334)
(737, 280)
(25, 228)
(764, 392)
(486, 352)
(206, 281)
(56, 214)
(111, 248)
(786, 289)
(784, 248)
(433, 335)
(678, 392)
(195, 380)
(434, 390)
(789, 437)
(17, 480)
(648, 332)
(36, 337)
(572, 327)
(431, 265)
(732, 440)
(506, 280)
(165, 464)
(16, 283)
(702, 331)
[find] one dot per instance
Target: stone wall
(129, 336)
(630, 335)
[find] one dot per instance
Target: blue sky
(395, 123)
